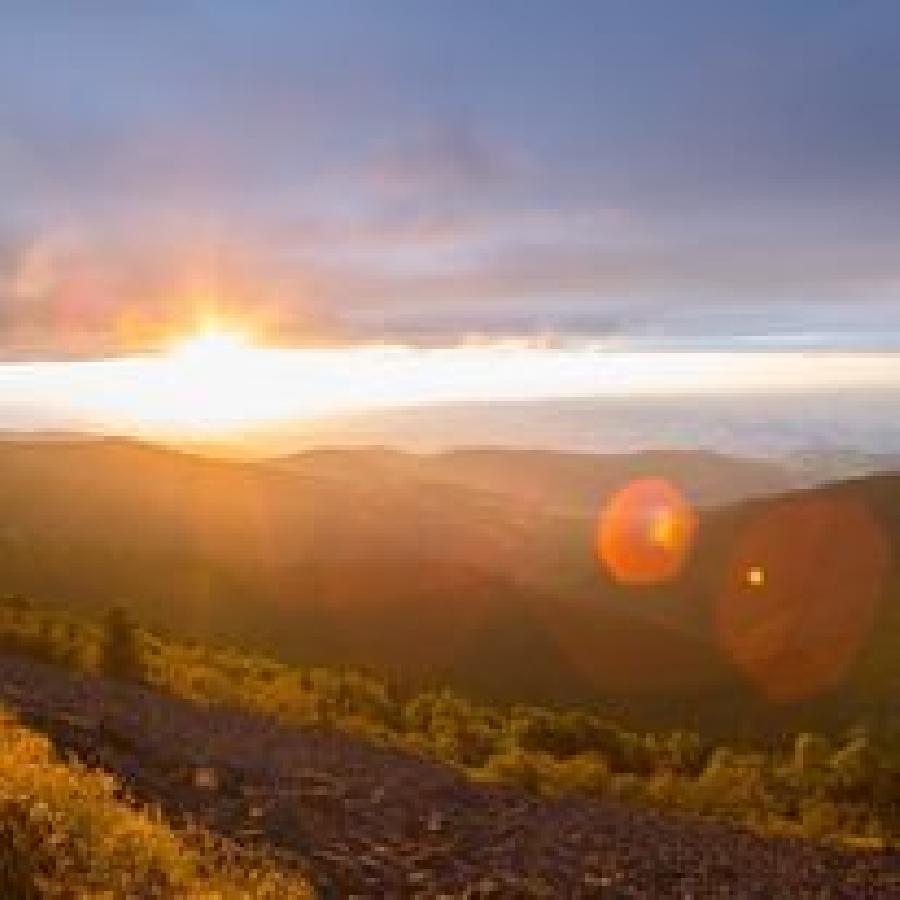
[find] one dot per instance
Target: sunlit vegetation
(843, 786)
(67, 831)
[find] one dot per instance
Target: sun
(213, 345)
(215, 379)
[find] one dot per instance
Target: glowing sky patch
(220, 383)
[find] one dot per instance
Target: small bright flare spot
(645, 532)
(756, 576)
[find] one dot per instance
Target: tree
(682, 751)
(122, 654)
(46, 640)
(811, 751)
(854, 766)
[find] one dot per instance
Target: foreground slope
(67, 831)
(381, 823)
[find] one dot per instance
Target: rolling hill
(569, 483)
(472, 568)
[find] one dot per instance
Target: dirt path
(369, 822)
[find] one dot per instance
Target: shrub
(854, 766)
(522, 768)
(734, 784)
(819, 819)
(585, 773)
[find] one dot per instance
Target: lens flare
(801, 592)
(756, 576)
(645, 532)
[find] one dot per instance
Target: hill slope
(71, 831)
(570, 483)
(414, 565)
(416, 573)
(376, 822)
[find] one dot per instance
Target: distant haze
(836, 435)
(569, 396)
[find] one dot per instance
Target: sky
(707, 173)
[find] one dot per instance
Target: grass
(67, 831)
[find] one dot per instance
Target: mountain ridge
(338, 559)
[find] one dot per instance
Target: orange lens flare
(801, 593)
(645, 532)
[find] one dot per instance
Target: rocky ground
(370, 822)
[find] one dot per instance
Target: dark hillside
(452, 582)
(369, 558)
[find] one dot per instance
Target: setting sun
(214, 345)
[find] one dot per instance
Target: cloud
(431, 277)
(450, 172)
(448, 157)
